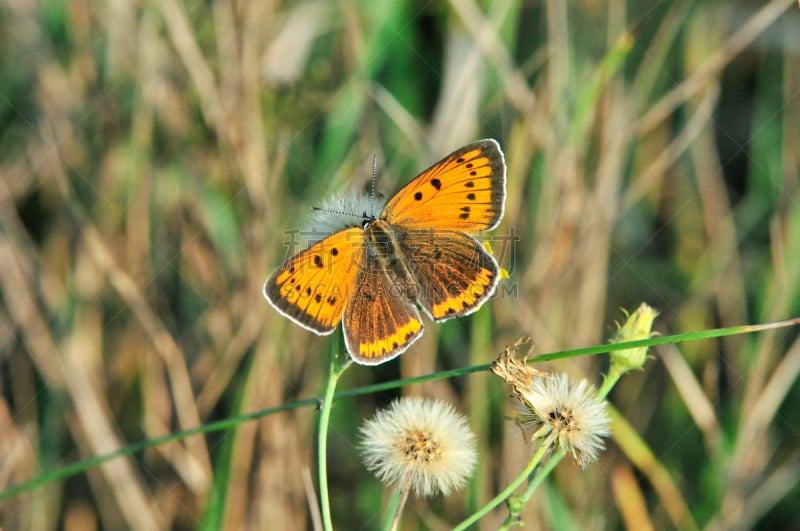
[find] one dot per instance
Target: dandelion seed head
(566, 415)
(421, 443)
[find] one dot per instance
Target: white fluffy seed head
(565, 415)
(421, 443)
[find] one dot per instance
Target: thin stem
(508, 491)
(516, 508)
(542, 475)
(609, 382)
(230, 423)
(391, 509)
(399, 511)
(334, 372)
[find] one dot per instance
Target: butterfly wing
(313, 287)
(379, 322)
(465, 191)
(454, 273)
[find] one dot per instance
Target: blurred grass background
(154, 154)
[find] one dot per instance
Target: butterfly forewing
(379, 322)
(313, 287)
(464, 191)
(455, 274)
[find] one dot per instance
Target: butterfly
(373, 275)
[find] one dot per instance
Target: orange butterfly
(417, 252)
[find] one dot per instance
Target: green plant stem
(230, 423)
(609, 382)
(334, 373)
(533, 484)
(508, 491)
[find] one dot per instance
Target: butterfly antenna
(372, 192)
(330, 210)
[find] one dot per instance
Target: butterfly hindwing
(454, 272)
(379, 322)
(465, 191)
(313, 287)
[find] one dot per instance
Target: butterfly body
(417, 252)
(384, 243)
